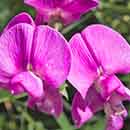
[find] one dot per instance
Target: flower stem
(64, 123)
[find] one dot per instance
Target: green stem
(64, 123)
(77, 24)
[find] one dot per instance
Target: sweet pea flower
(65, 11)
(35, 60)
(98, 53)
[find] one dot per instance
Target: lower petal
(29, 83)
(107, 85)
(84, 109)
(123, 92)
(80, 112)
(114, 123)
(51, 102)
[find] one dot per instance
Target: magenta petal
(20, 18)
(35, 3)
(78, 7)
(46, 4)
(15, 47)
(117, 106)
(114, 123)
(29, 82)
(50, 56)
(51, 102)
(120, 93)
(126, 93)
(109, 48)
(107, 85)
(83, 109)
(80, 112)
(123, 92)
(83, 68)
(4, 79)
(74, 9)
(41, 4)
(39, 19)
(67, 10)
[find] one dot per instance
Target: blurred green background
(14, 115)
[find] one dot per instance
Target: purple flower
(35, 60)
(66, 11)
(98, 53)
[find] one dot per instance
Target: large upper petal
(50, 56)
(45, 4)
(108, 47)
(80, 6)
(83, 70)
(20, 18)
(73, 9)
(15, 47)
(35, 3)
(69, 10)
(84, 109)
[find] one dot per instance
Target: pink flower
(98, 53)
(66, 11)
(35, 60)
